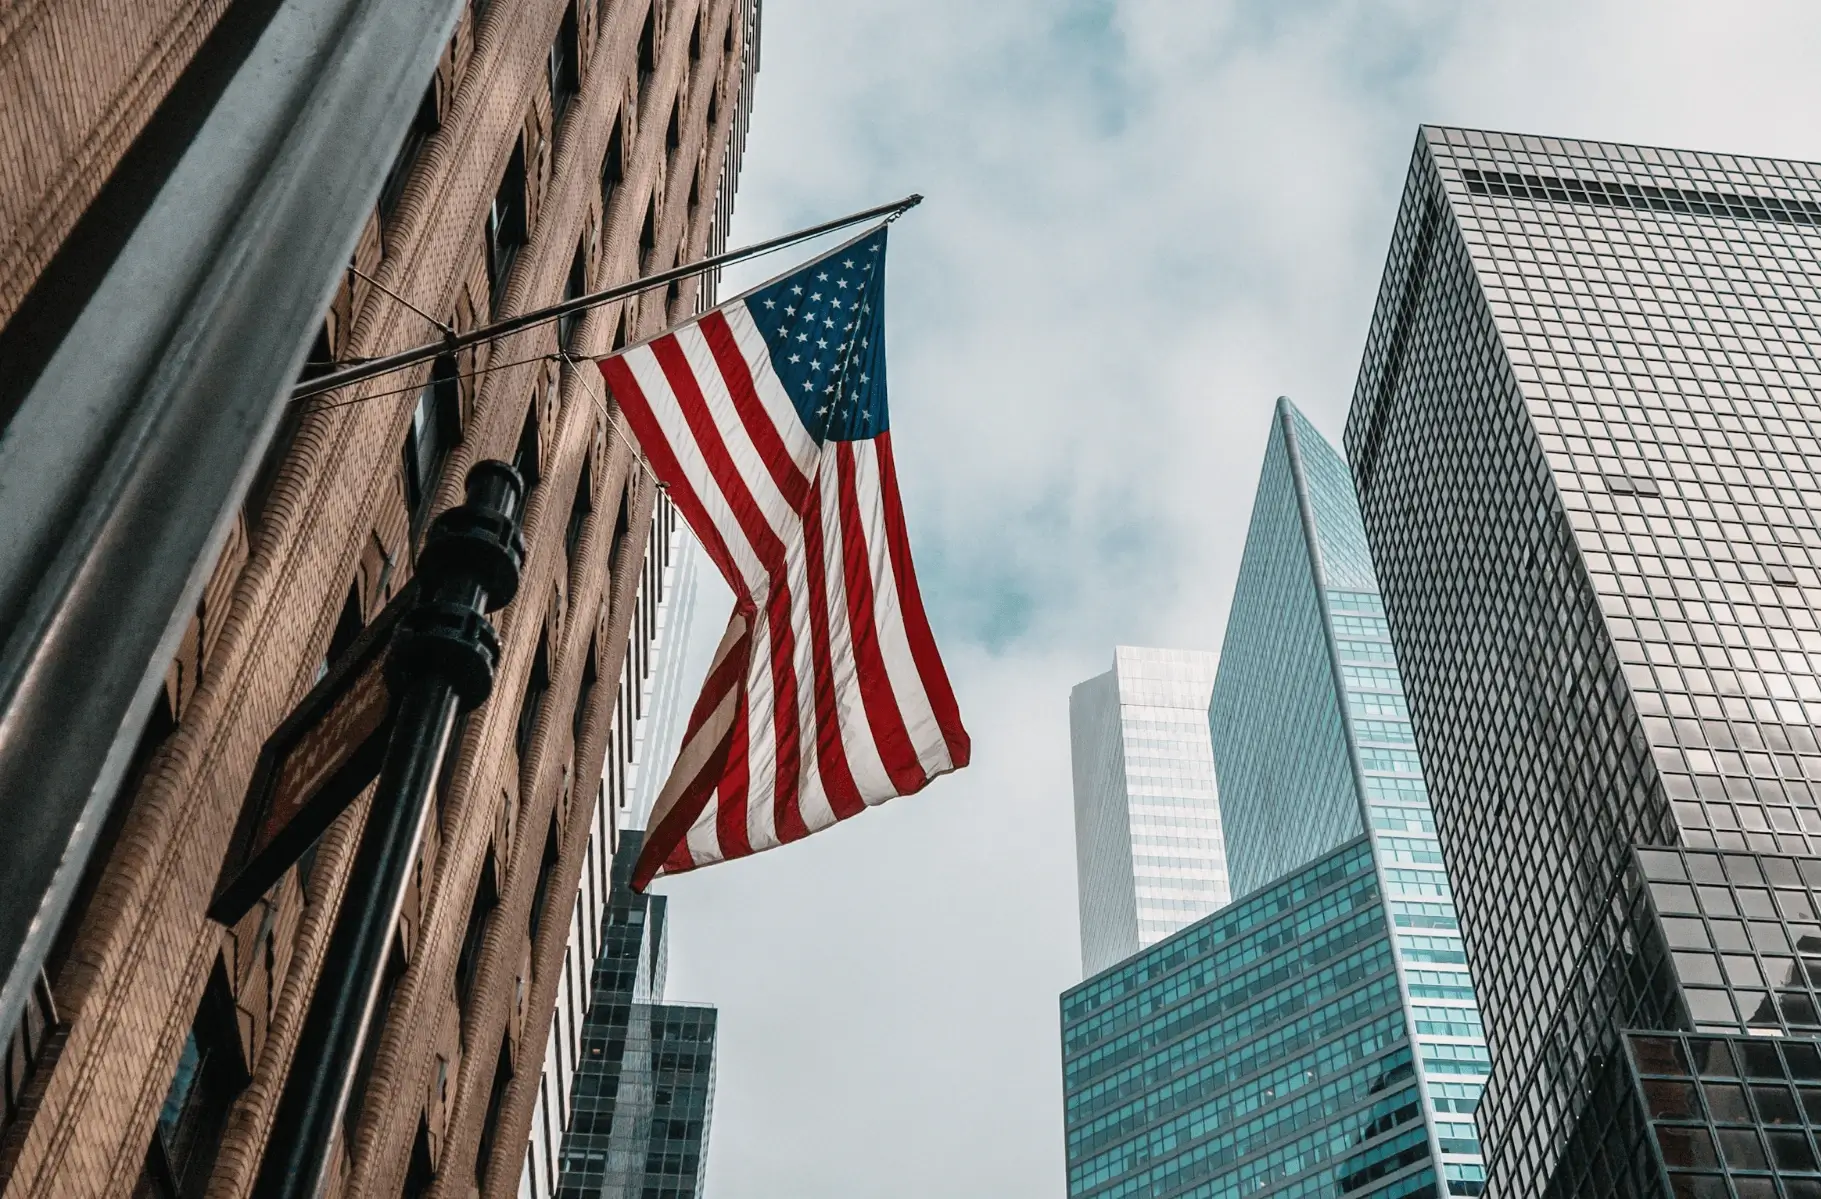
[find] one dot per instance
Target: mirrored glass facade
(1148, 842)
(642, 1094)
(1313, 746)
(1262, 1051)
(1585, 437)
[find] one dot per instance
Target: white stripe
(703, 841)
(888, 618)
(748, 463)
(850, 709)
(668, 414)
(701, 742)
(761, 740)
(797, 440)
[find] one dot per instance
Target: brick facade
(326, 537)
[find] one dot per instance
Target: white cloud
(1146, 219)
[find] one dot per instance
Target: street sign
(316, 763)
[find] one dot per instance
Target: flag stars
(796, 291)
(771, 303)
(822, 278)
(796, 358)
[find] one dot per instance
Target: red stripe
(771, 554)
(636, 407)
(670, 833)
(791, 481)
(730, 796)
(887, 722)
(831, 752)
(916, 622)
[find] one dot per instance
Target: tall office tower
(650, 671)
(644, 1091)
(561, 146)
(1585, 442)
(1267, 1050)
(1147, 824)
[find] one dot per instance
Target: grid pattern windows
(1148, 837)
(1308, 550)
(1275, 690)
(1585, 440)
(1261, 1051)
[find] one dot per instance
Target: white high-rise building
(1148, 849)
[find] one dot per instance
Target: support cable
(362, 371)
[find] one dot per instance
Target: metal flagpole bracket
(361, 371)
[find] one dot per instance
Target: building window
(348, 627)
(648, 236)
(613, 166)
(622, 530)
(210, 1073)
(525, 458)
(574, 288)
(565, 63)
(673, 132)
(540, 898)
(536, 687)
(648, 47)
(420, 1176)
(496, 1098)
(468, 962)
(506, 227)
(585, 696)
(423, 126)
(436, 426)
(579, 511)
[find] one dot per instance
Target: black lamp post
(441, 664)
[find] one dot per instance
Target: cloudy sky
(1145, 220)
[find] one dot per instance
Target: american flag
(766, 420)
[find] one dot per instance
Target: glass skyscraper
(1585, 439)
(643, 1092)
(1319, 1036)
(1147, 824)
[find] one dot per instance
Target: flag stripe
(882, 712)
(936, 688)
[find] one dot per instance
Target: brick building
(562, 145)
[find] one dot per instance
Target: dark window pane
(1686, 1146)
(1761, 1060)
(1776, 1105)
(1727, 1103)
(1742, 1149)
(1712, 1057)
(1699, 1186)
(1804, 1059)
(1672, 1099)
(1790, 1150)
(1660, 1055)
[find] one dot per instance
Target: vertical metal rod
(441, 662)
(340, 1016)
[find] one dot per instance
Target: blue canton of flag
(825, 328)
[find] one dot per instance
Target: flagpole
(359, 372)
